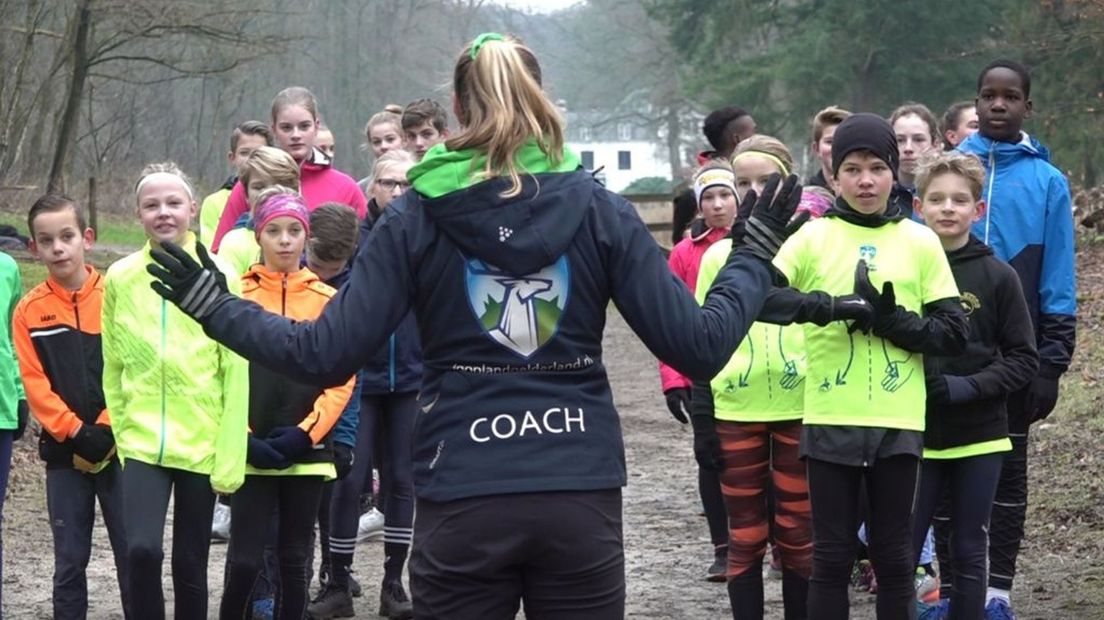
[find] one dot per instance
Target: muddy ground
(666, 543)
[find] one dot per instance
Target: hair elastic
(773, 158)
(163, 176)
(477, 44)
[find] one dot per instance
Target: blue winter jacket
(345, 431)
(397, 366)
(1029, 224)
(510, 296)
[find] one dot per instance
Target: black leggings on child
(146, 490)
(834, 492)
(971, 484)
(296, 498)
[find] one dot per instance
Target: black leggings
(971, 484)
(1006, 528)
(834, 492)
(296, 499)
(146, 490)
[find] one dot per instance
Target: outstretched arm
(326, 351)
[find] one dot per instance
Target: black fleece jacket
(1000, 355)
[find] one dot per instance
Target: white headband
(711, 177)
(163, 176)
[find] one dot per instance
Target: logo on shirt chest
(867, 253)
(970, 302)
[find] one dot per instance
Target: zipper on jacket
(283, 295)
(164, 321)
(80, 351)
(391, 367)
(989, 194)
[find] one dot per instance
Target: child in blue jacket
(1029, 224)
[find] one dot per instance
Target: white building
(624, 144)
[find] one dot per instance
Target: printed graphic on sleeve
(521, 313)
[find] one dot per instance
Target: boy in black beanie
(864, 399)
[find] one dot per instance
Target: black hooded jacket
(510, 296)
(1000, 355)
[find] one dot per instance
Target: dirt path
(666, 543)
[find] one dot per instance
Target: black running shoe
(394, 603)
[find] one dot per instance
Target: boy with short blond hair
(966, 433)
(56, 333)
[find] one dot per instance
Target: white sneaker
(220, 523)
(370, 525)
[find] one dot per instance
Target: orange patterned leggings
(757, 454)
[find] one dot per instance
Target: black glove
(770, 218)
(343, 459)
(195, 288)
(93, 442)
(854, 308)
(291, 441)
(884, 303)
(678, 403)
(21, 412)
(263, 456)
(949, 389)
(707, 444)
(1042, 394)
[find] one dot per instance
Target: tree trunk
(71, 115)
(674, 141)
(93, 220)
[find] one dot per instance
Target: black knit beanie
(865, 132)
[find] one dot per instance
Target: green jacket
(209, 214)
(11, 385)
(177, 398)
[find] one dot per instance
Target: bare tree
(116, 41)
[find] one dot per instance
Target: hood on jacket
(519, 235)
(973, 249)
(981, 146)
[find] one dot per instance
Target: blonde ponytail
(501, 106)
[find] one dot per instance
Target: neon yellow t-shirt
(863, 380)
(764, 380)
(209, 213)
(240, 250)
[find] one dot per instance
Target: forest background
(97, 88)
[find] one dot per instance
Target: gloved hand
(853, 308)
(678, 403)
(263, 456)
(884, 303)
(291, 441)
(949, 389)
(21, 412)
(93, 442)
(707, 444)
(196, 288)
(1042, 394)
(770, 219)
(343, 459)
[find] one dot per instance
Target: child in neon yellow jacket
(179, 405)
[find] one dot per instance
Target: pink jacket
(319, 184)
(684, 262)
